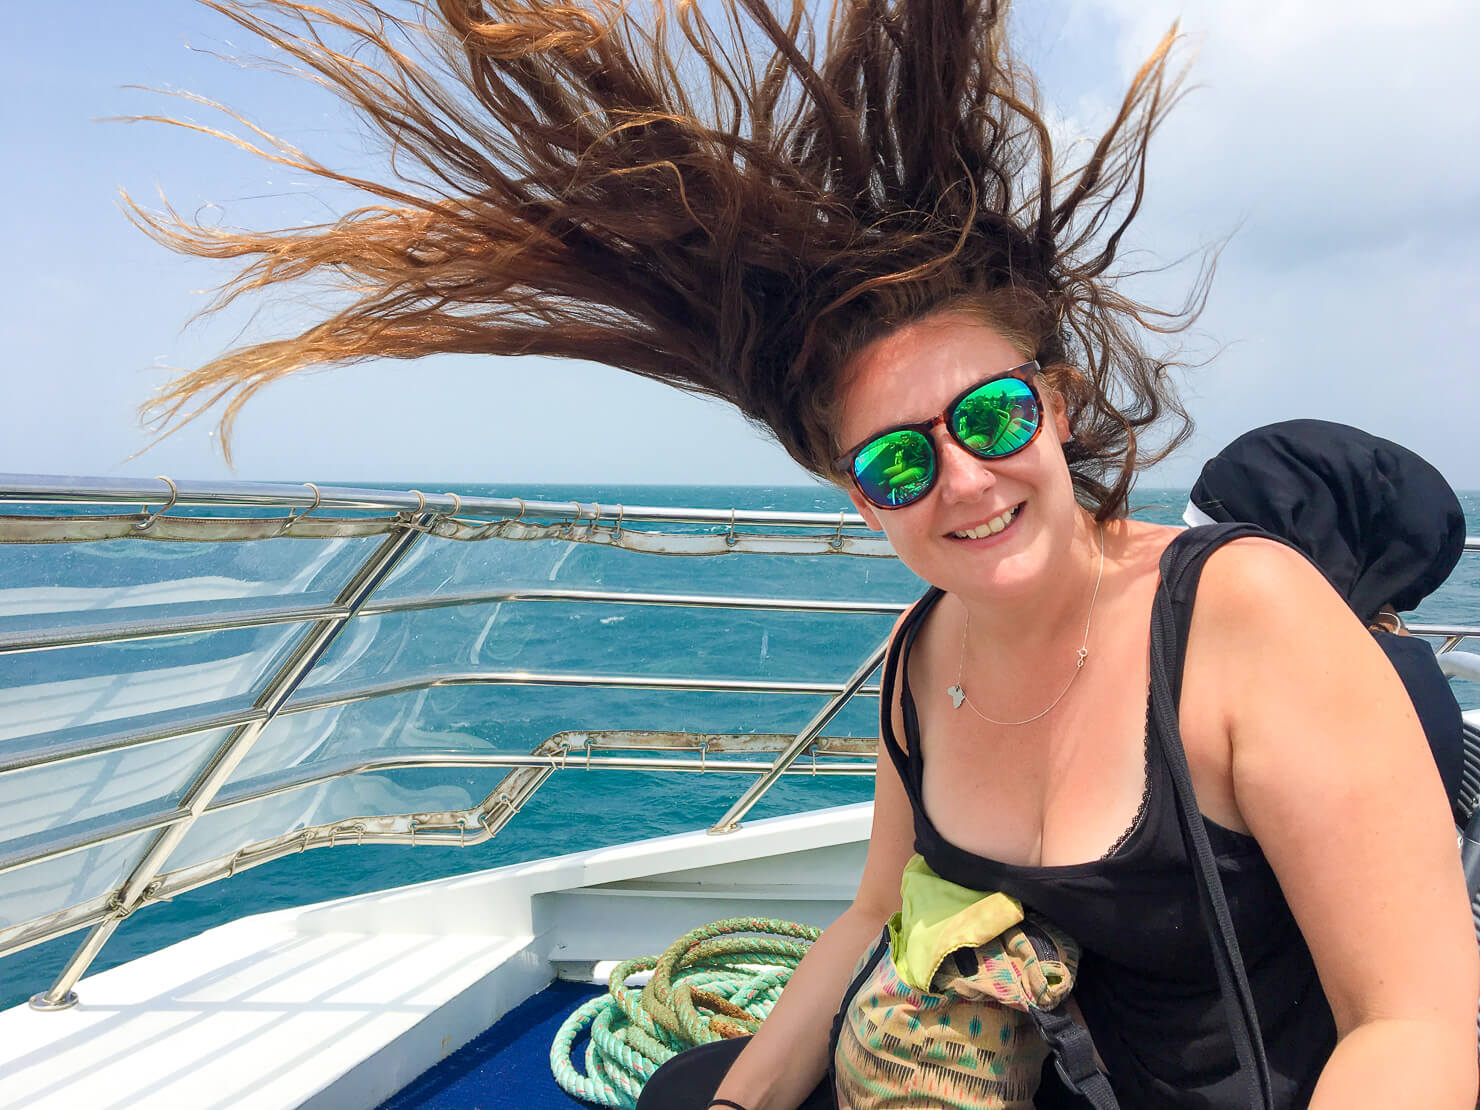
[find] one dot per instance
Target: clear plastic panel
(30, 892)
(219, 834)
(47, 585)
(76, 687)
(61, 794)
(514, 719)
(465, 719)
(437, 567)
(554, 637)
(45, 691)
(604, 639)
(110, 574)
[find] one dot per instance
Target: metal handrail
(331, 698)
(90, 835)
(43, 489)
(265, 614)
(628, 597)
(271, 786)
(52, 748)
(1447, 631)
(124, 628)
(130, 732)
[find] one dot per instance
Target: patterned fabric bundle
(963, 1033)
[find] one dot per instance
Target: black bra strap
(1171, 619)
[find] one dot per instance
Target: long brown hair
(713, 200)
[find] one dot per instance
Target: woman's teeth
(991, 527)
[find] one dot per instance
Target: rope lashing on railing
(719, 980)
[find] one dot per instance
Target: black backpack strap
(1074, 1057)
(1171, 619)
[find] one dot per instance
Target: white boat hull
(343, 1003)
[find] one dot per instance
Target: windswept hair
(709, 197)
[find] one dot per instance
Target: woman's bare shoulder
(1256, 585)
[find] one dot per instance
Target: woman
(1050, 789)
(843, 243)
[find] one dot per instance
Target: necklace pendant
(958, 695)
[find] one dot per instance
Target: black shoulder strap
(1074, 1056)
(1171, 619)
(893, 662)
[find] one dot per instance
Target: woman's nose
(962, 476)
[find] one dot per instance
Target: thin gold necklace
(958, 695)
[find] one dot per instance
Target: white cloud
(1339, 143)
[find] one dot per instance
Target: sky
(1332, 148)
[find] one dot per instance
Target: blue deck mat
(507, 1066)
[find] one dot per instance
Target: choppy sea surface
(574, 810)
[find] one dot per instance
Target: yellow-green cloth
(938, 917)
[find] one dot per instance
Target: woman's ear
(865, 510)
(1058, 411)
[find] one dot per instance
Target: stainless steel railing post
(232, 751)
(731, 820)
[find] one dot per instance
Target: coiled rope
(719, 980)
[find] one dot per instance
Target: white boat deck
(343, 1003)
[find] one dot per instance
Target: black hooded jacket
(1381, 523)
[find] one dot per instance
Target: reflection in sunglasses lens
(895, 469)
(998, 418)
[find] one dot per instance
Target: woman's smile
(989, 531)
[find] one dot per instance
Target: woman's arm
(1331, 773)
(788, 1056)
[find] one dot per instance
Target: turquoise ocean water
(576, 810)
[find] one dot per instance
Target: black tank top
(1147, 983)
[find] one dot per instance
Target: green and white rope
(719, 980)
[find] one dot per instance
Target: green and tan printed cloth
(942, 1022)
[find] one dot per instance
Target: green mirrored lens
(896, 468)
(998, 418)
